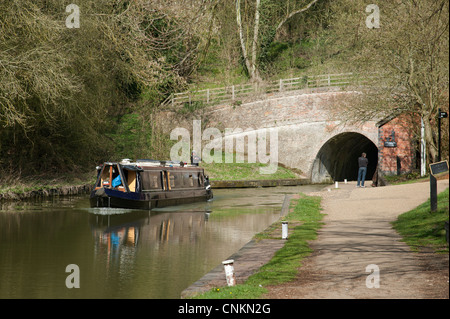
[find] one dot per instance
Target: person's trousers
(361, 176)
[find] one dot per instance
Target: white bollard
(345, 181)
(229, 272)
(284, 230)
(336, 185)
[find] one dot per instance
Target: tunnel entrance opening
(338, 158)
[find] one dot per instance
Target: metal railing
(241, 92)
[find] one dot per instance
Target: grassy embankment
(11, 184)
(304, 221)
(243, 171)
(406, 178)
(422, 228)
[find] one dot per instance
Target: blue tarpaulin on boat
(116, 181)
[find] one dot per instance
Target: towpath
(358, 234)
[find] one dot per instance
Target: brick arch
(309, 136)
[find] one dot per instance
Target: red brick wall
(401, 158)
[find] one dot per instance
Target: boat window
(195, 179)
(164, 179)
(187, 180)
(181, 179)
(107, 176)
(104, 177)
(130, 177)
(200, 179)
(110, 178)
(151, 180)
(172, 179)
(117, 180)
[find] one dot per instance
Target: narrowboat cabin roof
(141, 164)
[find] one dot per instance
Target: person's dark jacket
(363, 161)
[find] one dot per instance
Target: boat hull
(149, 200)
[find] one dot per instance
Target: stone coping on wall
(259, 183)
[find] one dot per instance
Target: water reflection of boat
(149, 184)
(116, 233)
(117, 237)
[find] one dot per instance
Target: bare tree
(404, 64)
(63, 88)
(251, 61)
(293, 13)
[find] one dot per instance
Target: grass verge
(421, 228)
(283, 267)
(411, 178)
(223, 171)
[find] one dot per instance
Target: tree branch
(294, 13)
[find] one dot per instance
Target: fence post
(232, 92)
(281, 85)
(207, 96)
(329, 80)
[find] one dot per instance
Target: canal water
(117, 253)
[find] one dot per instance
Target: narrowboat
(148, 184)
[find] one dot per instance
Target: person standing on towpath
(362, 171)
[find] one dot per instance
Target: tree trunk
(431, 145)
(241, 36)
(255, 72)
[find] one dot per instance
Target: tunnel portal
(338, 158)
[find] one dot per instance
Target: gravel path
(357, 234)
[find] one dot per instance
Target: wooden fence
(241, 92)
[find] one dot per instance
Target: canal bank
(272, 256)
(46, 192)
(357, 233)
(259, 183)
(247, 260)
(85, 188)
